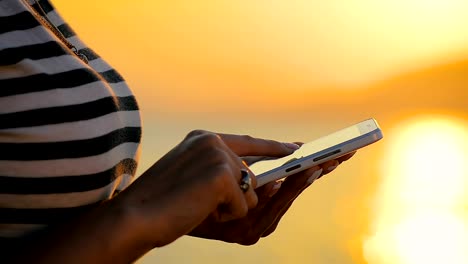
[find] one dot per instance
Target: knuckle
(208, 140)
(250, 240)
(270, 230)
(248, 138)
(202, 142)
(195, 133)
(206, 143)
(252, 234)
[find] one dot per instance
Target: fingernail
(275, 188)
(292, 145)
(314, 176)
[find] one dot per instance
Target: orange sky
(255, 52)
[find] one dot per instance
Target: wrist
(128, 222)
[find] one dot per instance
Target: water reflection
(420, 212)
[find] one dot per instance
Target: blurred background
(294, 71)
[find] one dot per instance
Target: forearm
(106, 234)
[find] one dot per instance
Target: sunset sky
(295, 70)
(261, 50)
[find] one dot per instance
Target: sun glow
(421, 212)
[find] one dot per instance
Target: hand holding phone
(318, 151)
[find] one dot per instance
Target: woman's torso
(69, 131)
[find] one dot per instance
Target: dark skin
(192, 190)
(273, 203)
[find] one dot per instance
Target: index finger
(245, 145)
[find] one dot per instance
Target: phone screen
(308, 149)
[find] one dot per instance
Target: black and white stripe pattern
(69, 131)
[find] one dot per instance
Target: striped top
(69, 130)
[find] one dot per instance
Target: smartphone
(318, 151)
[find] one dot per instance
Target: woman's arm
(106, 234)
(198, 178)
